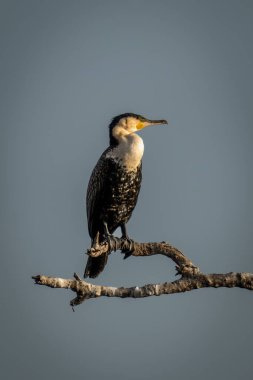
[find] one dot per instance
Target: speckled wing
(95, 193)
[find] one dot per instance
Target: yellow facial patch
(140, 125)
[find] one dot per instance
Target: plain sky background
(68, 67)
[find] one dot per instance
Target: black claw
(127, 254)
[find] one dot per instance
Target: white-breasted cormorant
(115, 183)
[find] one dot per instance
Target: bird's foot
(112, 241)
(128, 247)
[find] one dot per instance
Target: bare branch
(130, 247)
(85, 290)
(191, 277)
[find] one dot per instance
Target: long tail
(95, 265)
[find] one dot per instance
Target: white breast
(129, 152)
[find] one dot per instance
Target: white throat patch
(129, 152)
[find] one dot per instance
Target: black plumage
(111, 197)
(115, 183)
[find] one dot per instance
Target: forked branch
(191, 277)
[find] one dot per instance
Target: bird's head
(128, 123)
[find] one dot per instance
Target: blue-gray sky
(68, 67)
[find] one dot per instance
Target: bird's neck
(129, 151)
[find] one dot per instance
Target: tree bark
(191, 277)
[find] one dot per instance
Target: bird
(115, 183)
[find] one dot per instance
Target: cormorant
(115, 183)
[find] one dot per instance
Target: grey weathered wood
(191, 277)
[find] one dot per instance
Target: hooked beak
(148, 123)
(157, 122)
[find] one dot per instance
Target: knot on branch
(187, 270)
